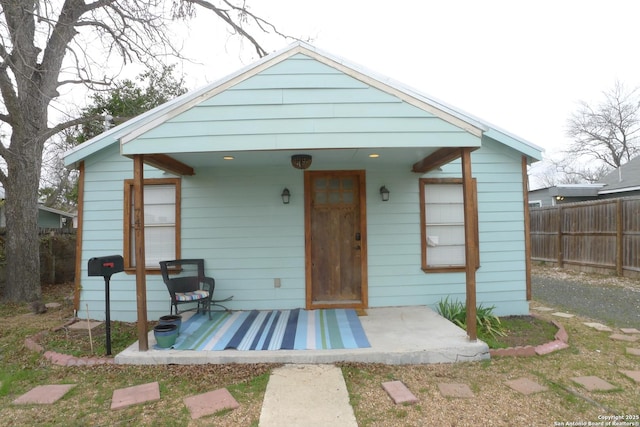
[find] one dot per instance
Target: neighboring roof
(56, 211)
(575, 190)
(149, 120)
(625, 178)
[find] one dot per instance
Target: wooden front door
(336, 239)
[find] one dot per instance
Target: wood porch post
(527, 227)
(471, 245)
(138, 225)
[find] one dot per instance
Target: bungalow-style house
(305, 181)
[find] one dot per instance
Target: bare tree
(48, 44)
(609, 131)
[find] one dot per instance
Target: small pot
(171, 319)
(166, 335)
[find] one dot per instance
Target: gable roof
(145, 122)
(624, 178)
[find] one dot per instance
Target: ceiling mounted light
(301, 161)
(374, 155)
(228, 157)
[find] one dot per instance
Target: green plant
(453, 311)
(456, 312)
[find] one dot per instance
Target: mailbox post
(106, 266)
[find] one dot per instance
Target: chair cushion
(192, 296)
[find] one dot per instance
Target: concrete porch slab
(398, 336)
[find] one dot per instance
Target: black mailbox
(105, 265)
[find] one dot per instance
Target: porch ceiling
(322, 159)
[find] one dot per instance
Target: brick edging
(60, 359)
(559, 343)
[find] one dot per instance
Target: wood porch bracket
(441, 157)
(168, 164)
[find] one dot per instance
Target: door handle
(357, 237)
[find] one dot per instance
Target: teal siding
(299, 103)
(234, 218)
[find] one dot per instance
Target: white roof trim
(620, 190)
(137, 126)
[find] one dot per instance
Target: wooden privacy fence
(603, 234)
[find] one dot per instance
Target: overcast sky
(520, 65)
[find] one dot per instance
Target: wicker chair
(187, 284)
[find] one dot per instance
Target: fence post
(619, 238)
(560, 248)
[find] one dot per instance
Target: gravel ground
(611, 300)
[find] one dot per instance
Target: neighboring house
(47, 217)
(563, 193)
(621, 182)
(377, 218)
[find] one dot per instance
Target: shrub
(486, 321)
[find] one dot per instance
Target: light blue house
(306, 181)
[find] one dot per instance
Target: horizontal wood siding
(395, 277)
(297, 104)
(234, 218)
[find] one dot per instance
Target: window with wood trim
(161, 222)
(442, 224)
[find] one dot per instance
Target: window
(161, 222)
(442, 225)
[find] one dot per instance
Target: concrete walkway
(307, 396)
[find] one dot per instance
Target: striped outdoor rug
(273, 330)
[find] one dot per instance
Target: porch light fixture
(384, 194)
(301, 161)
(286, 195)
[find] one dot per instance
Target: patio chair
(187, 284)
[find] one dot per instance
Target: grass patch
(520, 331)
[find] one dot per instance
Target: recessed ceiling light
(228, 157)
(374, 155)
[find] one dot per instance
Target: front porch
(398, 336)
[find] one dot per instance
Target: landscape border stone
(560, 342)
(60, 359)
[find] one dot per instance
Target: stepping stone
(544, 308)
(630, 331)
(399, 392)
(82, 325)
(455, 390)
(599, 327)
(526, 386)
(634, 375)
(52, 305)
(124, 397)
(592, 383)
(563, 315)
(44, 394)
(633, 351)
(210, 403)
(620, 337)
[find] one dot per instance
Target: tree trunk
(22, 242)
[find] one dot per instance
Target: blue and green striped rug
(273, 330)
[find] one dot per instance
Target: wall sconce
(384, 194)
(286, 195)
